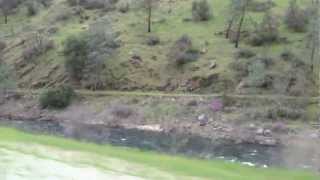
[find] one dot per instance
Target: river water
(181, 144)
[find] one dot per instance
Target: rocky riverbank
(234, 123)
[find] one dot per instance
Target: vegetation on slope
(137, 64)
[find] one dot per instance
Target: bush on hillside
(75, 51)
(102, 43)
(300, 82)
(123, 6)
(201, 10)
(296, 18)
(36, 45)
(72, 2)
(292, 58)
(153, 40)
(267, 32)
(61, 14)
(240, 67)
(287, 55)
(257, 76)
(58, 98)
(267, 60)
(122, 111)
(183, 51)
(94, 4)
(245, 53)
(258, 6)
(45, 3)
(284, 112)
(6, 80)
(32, 8)
(3, 45)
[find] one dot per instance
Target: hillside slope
(137, 65)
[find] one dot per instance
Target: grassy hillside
(154, 71)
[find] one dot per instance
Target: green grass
(215, 170)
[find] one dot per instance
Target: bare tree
(150, 5)
(6, 7)
(233, 14)
(242, 5)
(295, 17)
(314, 32)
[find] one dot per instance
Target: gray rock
(280, 127)
(267, 132)
(260, 131)
(314, 136)
(252, 126)
(268, 141)
(213, 65)
(203, 119)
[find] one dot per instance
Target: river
(25, 156)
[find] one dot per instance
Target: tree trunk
(149, 18)
(313, 51)
(230, 26)
(239, 31)
(5, 19)
(240, 24)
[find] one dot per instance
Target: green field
(162, 165)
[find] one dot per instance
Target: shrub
(86, 54)
(269, 27)
(102, 42)
(3, 45)
(183, 52)
(267, 61)
(122, 112)
(61, 14)
(45, 3)
(123, 6)
(153, 40)
(201, 10)
(267, 32)
(57, 98)
(72, 2)
(245, 53)
(216, 105)
(258, 6)
(299, 84)
(257, 76)
(287, 55)
(240, 67)
(93, 4)
(284, 112)
(36, 46)
(6, 80)
(32, 8)
(296, 18)
(292, 58)
(29, 53)
(76, 51)
(93, 76)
